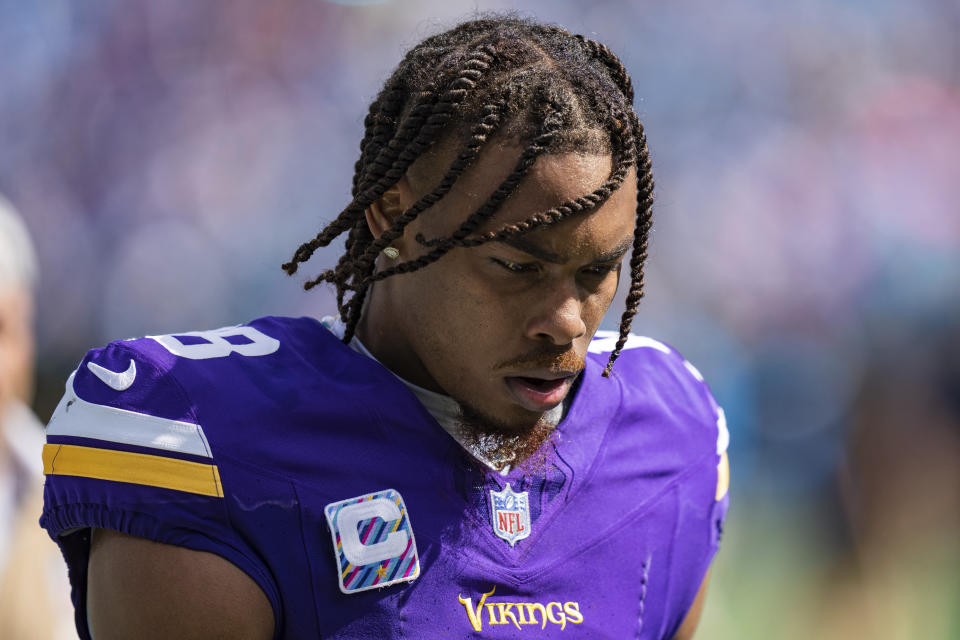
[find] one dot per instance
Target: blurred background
(168, 157)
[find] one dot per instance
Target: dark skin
(138, 588)
(450, 328)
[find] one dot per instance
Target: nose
(557, 317)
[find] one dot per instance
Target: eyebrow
(522, 244)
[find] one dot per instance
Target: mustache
(555, 360)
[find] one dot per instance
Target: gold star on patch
(382, 571)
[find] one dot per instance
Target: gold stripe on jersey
(723, 475)
(136, 468)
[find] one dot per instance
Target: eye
(602, 269)
(516, 267)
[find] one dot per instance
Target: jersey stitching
(667, 618)
(216, 480)
(95, 506)
(643, 593)
(203, 439)
(53, 462)
(306, 553)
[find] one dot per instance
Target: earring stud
(391, 252)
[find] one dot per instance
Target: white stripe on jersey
(77, 417)
(723, 435)
(606, 341)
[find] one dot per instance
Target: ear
(381, 214)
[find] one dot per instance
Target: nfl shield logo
(511, 514)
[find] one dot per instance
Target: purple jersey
(318, 473)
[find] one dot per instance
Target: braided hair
(540, 85)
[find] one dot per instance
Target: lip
(541, 397)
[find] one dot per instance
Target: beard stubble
(516, 443)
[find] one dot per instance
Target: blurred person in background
(34, 596)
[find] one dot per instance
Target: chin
(517, 421)
(514, 442)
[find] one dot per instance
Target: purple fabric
(623, 518)
(120, 446)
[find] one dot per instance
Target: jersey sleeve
(125, 451)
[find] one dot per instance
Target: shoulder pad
(649, 366)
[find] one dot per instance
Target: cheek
(596, 305)
(592, 312)
(463, 316)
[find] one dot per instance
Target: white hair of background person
(18, 260)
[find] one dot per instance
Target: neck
(382, 332)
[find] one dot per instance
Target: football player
(460, 453)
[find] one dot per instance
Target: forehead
(552, 180)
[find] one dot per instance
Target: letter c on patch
(359, 554)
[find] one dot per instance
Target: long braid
(641, 234)
(644, 218)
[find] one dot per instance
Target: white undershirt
(444, 409)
